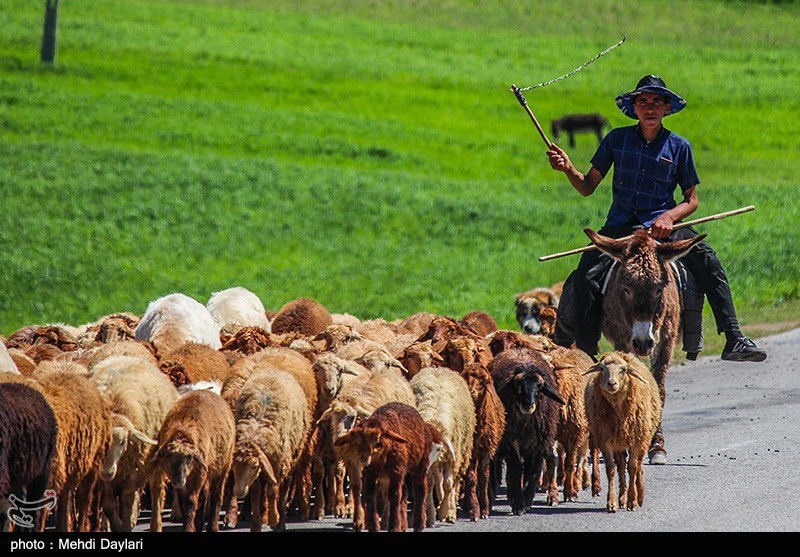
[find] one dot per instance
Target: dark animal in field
(572, 124)
(641, 306)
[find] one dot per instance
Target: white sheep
(238, 306)
(175, 319)
(139, 397)
(623, 407)
(444, 401)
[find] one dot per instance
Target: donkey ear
(610, 246)
(670, 251)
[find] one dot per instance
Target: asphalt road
(732, 440)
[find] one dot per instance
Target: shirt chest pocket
(663, 169)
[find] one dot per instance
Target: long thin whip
(576, 70)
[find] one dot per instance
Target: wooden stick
(524, 103)
(676, 227)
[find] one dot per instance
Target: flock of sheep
(228, 412)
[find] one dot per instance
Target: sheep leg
(470, 503)
(514, 486)
(569, 463)
(355, 498)
(371, 502)
(216, 489)
(85, 499)
(622, 469)
(157, 504)
(340, 508)
(258, 505)
(281, 504)
(485, 498)
(127, 503)
(395, 496)
(430, 503)
(612, 500)
(420, 488)
(634, 463)
(230, 503)
(448, 505)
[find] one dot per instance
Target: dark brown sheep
(394, 446)
(28, 431)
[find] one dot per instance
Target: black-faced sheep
(394, 448)
(525, 383)
(272, 425)
(195, 453)
(490, 425)
(623, 406)
(139, 397)
(175, 319)
(304, 316)
(445, 402)
(28, 431)
(83, 434)
(238, 307)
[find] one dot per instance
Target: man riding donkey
(649, 162)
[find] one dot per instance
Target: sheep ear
(199, 460)
(394, 437)
(362, 412)
(143, 438)
(596, 368)
(436, 450)
(347, 371)
(635, 373)
(552, 393)
(266, 466)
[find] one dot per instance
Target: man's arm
(585, 184)
(662, 226)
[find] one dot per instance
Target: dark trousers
(580, 308)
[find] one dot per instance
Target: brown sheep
(623, 406)
(416, 324)
(195, 453)
(490, 424)
(419, 355)
(84, 428)
(480, 322)
(393, 447)
(193, 362)
(305, 316)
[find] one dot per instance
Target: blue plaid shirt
(645, 174)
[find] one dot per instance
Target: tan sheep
(139, 397)
(272, 425)
(175, 319)
(82, 438)
(623, 406)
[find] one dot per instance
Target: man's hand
(662, 226)
(559, 160)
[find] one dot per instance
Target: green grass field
(369, 154)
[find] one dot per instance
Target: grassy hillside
(367, 154)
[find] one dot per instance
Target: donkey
(578, 123)
(641, 306)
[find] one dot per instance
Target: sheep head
(177, 458)
(363, 444)
(249, 461)
(614, 369)
(122, 432)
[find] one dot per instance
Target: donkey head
(641, 279)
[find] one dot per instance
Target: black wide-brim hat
(650, 84)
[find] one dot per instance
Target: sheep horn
(142, 437)
(362, 412)
(266, 466)
(325, 415)
(596, 368)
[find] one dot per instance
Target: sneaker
(743, 350)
